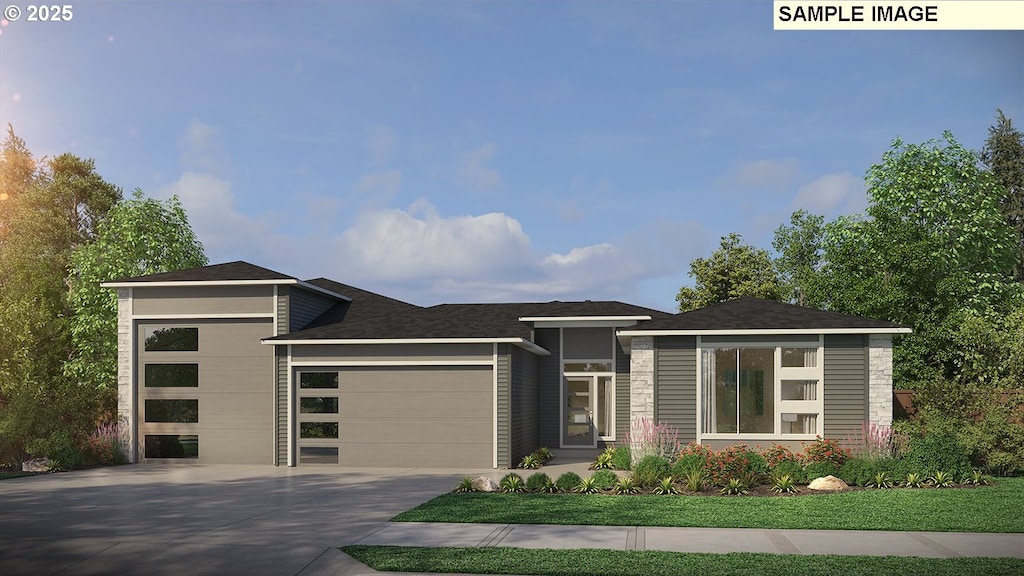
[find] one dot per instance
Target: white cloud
(832, 194)
(761, 174)
(202, 149)
(473, 171)
(581, 255)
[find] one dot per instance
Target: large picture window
(760, 390)
(172, 375)
(171, 339)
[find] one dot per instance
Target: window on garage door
(318, 440)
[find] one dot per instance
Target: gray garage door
(415, 416)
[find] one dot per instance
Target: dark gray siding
(525, 420)
(305, 306)
(549, 386)
(675, 397)
(724, 339)
(504, 405)
(846, 385)
(621, 394)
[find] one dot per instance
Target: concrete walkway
(711, 540)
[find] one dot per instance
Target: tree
(934, 243)
(732, 271)
(799, 246)
(51, 207)
(139, 236)
(1003, 154)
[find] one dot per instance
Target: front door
(579, 411)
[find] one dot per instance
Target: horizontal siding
(525, 422)
(305, 306)
(549, 385)
(184, 300)
(388, 352)
(621, 393)
(846, 385)
(676, 384)
(504, 405)
(281, 359)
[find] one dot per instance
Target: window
(172, 446)
(318, 430)
(172, 375)
(171, 339)
(318, 380)
(319, 405)
(760, 390)
(180, 411)
(318, 455)
(588, 366)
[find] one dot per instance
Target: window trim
(779, 406)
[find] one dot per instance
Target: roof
(753, 314)
(364, 304)
(228, 272)
(450, 321)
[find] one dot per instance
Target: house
(234, 363)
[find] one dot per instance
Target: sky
(458, 151)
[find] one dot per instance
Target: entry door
(578, 426)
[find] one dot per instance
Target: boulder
(484, 484)
(36, 465)
(828, 483)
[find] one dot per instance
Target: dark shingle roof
(364, 304)
(756, 314)
(462, 320)
(238, 270)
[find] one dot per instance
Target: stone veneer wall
(641, 379)
(880, 379)
(125, 395)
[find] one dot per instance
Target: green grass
(6, 475)
(985, 509)
(650, 563)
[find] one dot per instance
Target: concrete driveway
(203, 519)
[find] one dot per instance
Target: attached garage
(395, 416)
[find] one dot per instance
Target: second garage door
(416, 416)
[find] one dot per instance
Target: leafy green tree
(934, 242)
(1003, 154)
(51, 207)
(800, 259)
(734, 270)
(139, 236)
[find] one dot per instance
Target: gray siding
(525, 418)
(846, 386)
(675, 388)
(305, 306)
(587, 343)
(807, 338)
(348, 352)
(549, 386)
(621, 394)
(281, 397)
(171, 300)
(504, 405)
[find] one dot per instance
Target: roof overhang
(199, 283)
(520, 342)
(583, 321)
(899, 330)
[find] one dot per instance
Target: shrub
(819, 469)
(512, 482)
(877, 442)
(784, 485)
(539, 482)
(626, 486)
(822, 450)
(935, 452)
(605, 479)
(790, 468)
(465, 485)
(976, 478)
(879, 480)
(688, 463)
(776, 455)
(60, 448)
(621, 459)
(530, 462)
(695, 480)
(736, 461)
(857, 471)
(735, 487)
(996, 442)
(567, 481)
(651, 470)
(914, 480)
(107, 445)
(543, 454)
(649, 438)
(587, 486)
(666, 487)
(940, 479)
(604, 460)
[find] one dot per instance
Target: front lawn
(983, 509)
(651, 563)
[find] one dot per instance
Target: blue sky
(482, 151)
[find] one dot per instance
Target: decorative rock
(828, 483)
(484, 484)
(36, 465)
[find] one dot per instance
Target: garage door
(409, 416)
